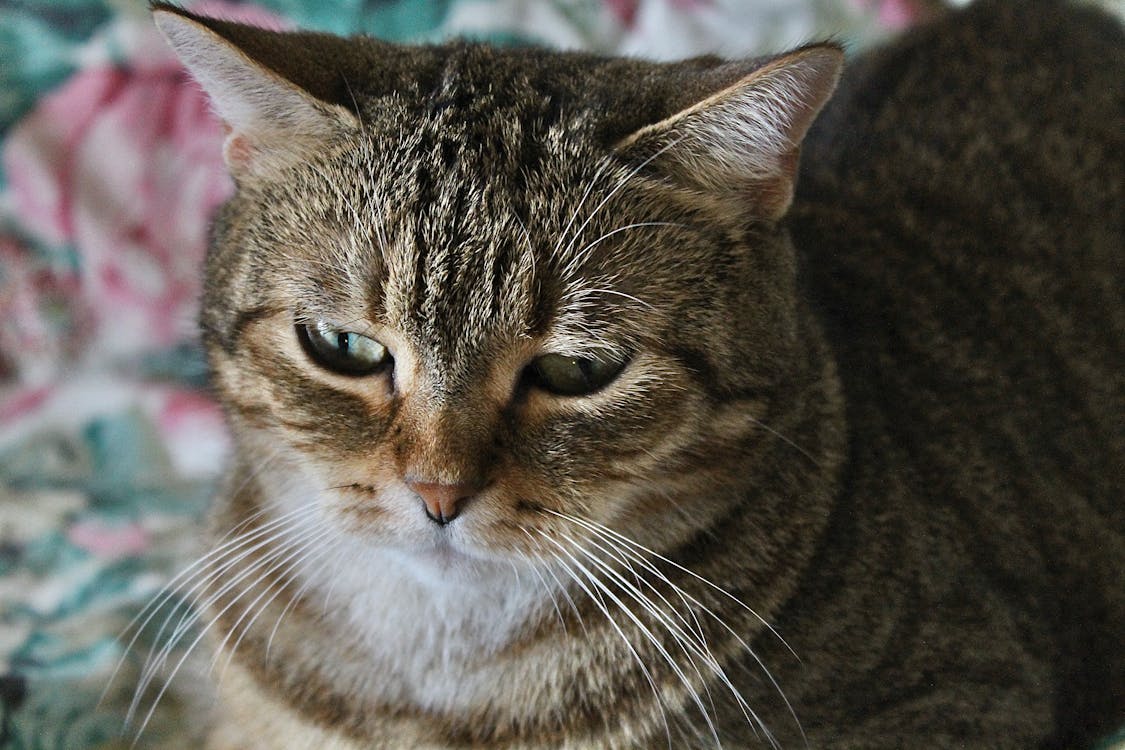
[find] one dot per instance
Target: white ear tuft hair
(744, 141)
(271, 122)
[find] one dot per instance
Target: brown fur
(899, 440)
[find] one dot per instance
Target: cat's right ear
(271, 122)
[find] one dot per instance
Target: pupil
(585, 368)
(342, 342)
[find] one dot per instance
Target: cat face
(452, 335)
(462, 312)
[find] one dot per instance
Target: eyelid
(325, 322)
(358, 325)
(611, 353)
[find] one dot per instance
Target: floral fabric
(109, 446)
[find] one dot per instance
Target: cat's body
(901, 444)
(969, 261)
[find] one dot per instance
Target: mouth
(439, 553)
(446, 558)
(441, 550)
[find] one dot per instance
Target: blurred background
(109, 170)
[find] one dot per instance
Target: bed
(109, 442)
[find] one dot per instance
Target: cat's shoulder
(996, 70)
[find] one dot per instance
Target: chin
(443, 560)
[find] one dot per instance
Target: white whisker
(605, 164)
(298, 558)
(531, 563)
(621, 184)
(690, 646)
(311, 539)
(613, 537)
(332, 587)
(167, 591)
(562, 587)
(237, 550)
(155, 658)
(644, 630)
(292, 601)
(600, 604)
(593, 526)
(582, 255)
(617, 293)
(784, 439)
(677, 634)
(185, 577)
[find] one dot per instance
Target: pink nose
(442, 500)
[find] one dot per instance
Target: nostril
(442, 517)
(442, 502)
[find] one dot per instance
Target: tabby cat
(566, 416)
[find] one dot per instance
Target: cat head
(470, 295)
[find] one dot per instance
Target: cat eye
(343, 352)
(572, 376)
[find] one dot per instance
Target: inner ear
(271, 121)
(741, 144)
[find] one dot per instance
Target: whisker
(617, 293)
(332, 586)
(624, 557)
(355, 103)
(677, 635)
(645, 631)
(786, 440)
(299, 557)
(278, 546)
(184, 578)
(166, 592)
(238, 550)
(315, 538)
(292, 601)
(155, 658)
(335, 268)
(697, 646)
(610, 536)
(562, 588)
(605, 164)
(531, 563)
(582, 255)
(625, 639)
(594, 526)
(516, 573)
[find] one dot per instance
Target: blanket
(109, 443)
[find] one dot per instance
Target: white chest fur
(427, 624)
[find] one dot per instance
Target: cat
(566, 416)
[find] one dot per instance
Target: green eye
(343, 352)
(573, 376)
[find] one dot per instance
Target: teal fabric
(36, 47)
(398, 20)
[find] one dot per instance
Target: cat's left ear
(272, 121)
(740, 146)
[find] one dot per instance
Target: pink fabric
(126, 165)
(626, 10)
(22, 403)
(108, 541)
(895, 14)
(41, 321)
